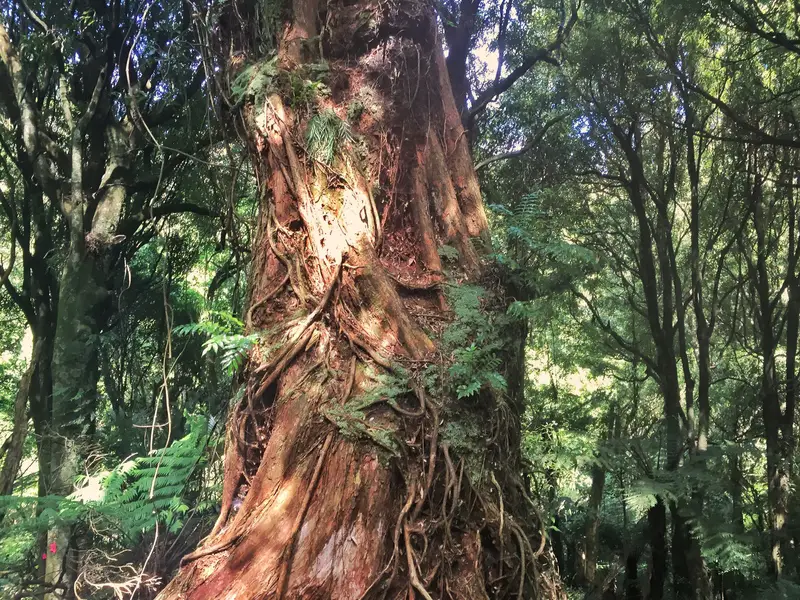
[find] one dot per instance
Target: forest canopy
(438, 299)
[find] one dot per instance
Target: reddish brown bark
(343, 497)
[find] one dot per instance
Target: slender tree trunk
(593, 525)
(41, 393)
(788, 444)
(632, 590)
(698, 574)
(354, 492)
(14, 446)
(657, 525)
(664, 300)
(681, 547)
(777, 473)
(736, 481)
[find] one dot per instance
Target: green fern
(255, 81)
(325, 135)
(141, 492)
(448, 253)
(730, 552)
(474, 341)
(225, 338)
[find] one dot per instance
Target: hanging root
(286, 563)
(301, 340)
(412, 569)
(521, 542)
(298, 341)
(209, 550)
(502, 519)
(424, 492)
(394, 558)
(292, 267)
(270, 295)
(287, 356)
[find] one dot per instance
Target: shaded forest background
(639, 162)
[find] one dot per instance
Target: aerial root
(393, 559)
(301, 340)
(208, 550)
(270, 295)
(292, 268)
(351, 380)
(502, 519)
(539, 520)
(358, 341)
(521, 542)
(431, 462)
(415, 285)
(294, 349)
(298, 341)
(412, 568)
(455, 484)
(286, 563)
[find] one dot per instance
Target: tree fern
(474, 340)
(145, 490)
(224, 338)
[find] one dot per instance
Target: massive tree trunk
(352, 469)
(75, 376)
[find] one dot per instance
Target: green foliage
(308, 85)
(354, 110)
(258, 80)
(224, 338)
(325, 135)
(143, 491)
(255, 81)
(731, 552)
(644, 494)
(128, 499)
(448, 253)
(16, 551)
(390, 388)
(353, 422)
(122, 504)
(475, 342)
(532, 247)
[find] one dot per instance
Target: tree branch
(620, 341)
(539, 55)
(23, 105)
(35, 18)
(172, 110)
(529, 145)
(157, 212)
(750, 25)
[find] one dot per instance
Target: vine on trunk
(377, 413)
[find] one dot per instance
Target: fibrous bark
(334, 487)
